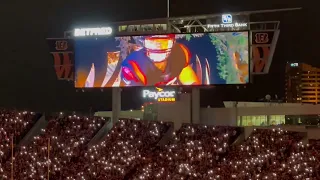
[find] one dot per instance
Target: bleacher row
(142, 150)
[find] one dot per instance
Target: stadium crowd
(126, 146)
(193, 150)
(260, 156)
(65, 137)
(132, 150)
(13, 126)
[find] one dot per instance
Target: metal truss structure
(181, 24)
(261, 53)
(199, 23)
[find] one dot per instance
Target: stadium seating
(65, 137)
(131, 150)
(13, 126)
(126, 146)
(258, 156)
(193, 150)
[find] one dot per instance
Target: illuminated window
(160, 27)
(123, 28)
(254, 120)
(133, 28)
(147, 27)
(244, 121)
(276, 119)
(261, 120)
(294, 64)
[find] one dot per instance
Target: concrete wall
(34, 131)
(313, 132)
(178, 112)
(228, 116)
(101, 134)
(219, 116)
(280, 110)
(167, 136)
(261, 104)
(196, 110)
(123, 114)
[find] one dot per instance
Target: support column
(195, 100)
(240, 119)
(116, 104)
(268, 120)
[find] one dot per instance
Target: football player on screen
(161, 61)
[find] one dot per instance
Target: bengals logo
(63, 64)
(61, 45)
(261, 38)
(260, 57)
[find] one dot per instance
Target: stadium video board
(162, 60)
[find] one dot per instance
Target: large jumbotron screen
(171, 59)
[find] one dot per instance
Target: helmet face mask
(158, 47)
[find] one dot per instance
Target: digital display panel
(162, 60)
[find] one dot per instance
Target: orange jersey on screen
(139, 69)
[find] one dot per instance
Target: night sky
(29, 80)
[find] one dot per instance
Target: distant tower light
(294, 64)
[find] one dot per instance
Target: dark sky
(29, 80)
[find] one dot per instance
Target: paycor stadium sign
(159, 95)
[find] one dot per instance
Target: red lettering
(261, 38)
(61, 45)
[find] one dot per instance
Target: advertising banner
(263, 47)
(62, 52)
(162, 94)
(228, 22)
(162, 60)
(260, 37)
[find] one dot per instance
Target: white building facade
(187, 110)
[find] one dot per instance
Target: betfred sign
(159, 95)
(92, 31)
